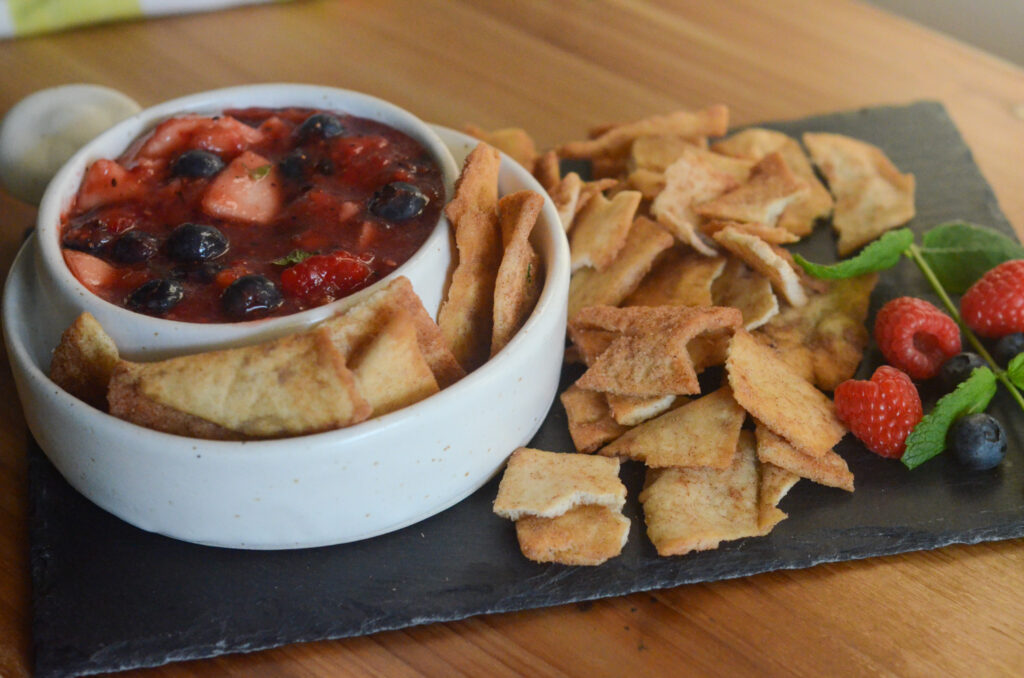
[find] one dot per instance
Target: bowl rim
(550, 301)
(55, 202)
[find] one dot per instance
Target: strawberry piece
(106, 182)
(91, 271)
(248, 190)
(880, 412)
(915, 336)
(222, 135)
(994, 306)
(325, 277)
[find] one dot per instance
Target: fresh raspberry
(880, 412)
(994, 306)
(916, 337)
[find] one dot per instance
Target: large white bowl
(142, 336)
(328, 488)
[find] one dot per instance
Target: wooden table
(556, 69)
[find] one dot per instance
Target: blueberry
(978, 441)
(251, 296)
(156, 297)
(320, 125)
(398, 201)
(958, 368)
(197, 164)
(190, 243)
(295, 165)
(134, 247)
(92, 238)
(1009, 347)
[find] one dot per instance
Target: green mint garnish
(960, 253)
(257, 173)
(529, 274)
(929, 437)
(293, 257)
(1015, 370)
(879, 255)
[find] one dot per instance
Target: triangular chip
(565, 193)
(648, 182)
(590, 287)
(872, 196)
(775, 483)
(546, 170)
(585, 535)
(291, 386)
(520, 278)
(655, 152)
(547, 484)
(830, 469)
(754, 144)
(590, 421)
(590, 342)
(703, 432)
(632, 410)
(688, 181)
(390, 371)
(680, 278)
(84, 360)
(773, 235)
(601, 228)
(785, 402)
(512, 141)
(466, 315)
(695, 509)
(766, 260)
(746, 290)
(772, 186)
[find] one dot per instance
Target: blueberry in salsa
(245, 189)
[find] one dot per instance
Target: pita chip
(520, 276)
(766, 260)
(746, 290)
(632, 410)
(772, 186)
(546, 170)
(565, 193)
(512, 141)
(775, 484)
(585, 535)
(830, 469)
(773, 235)
(590, 421)
(84, 361)
(688, 181)
(680, 278)
(600, 229)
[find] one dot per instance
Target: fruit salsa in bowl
(250, 211)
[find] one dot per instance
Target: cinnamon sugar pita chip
(633, 410)
(872, 196)
(772, 186)
(466, 315)
(601, 228)
(648, 182)
(590, 421)
(746, 290)
(695, 509)
(767, 261)
(520, 275)
(702, 432)
(656, 152)
(773, 235)
(830, 469)
(782, 400)
(775, 484)
(591, 342)
(689, 181)
(754, 144)
(547, 171)
(547, 484)
(84, 360)
(590, 287)
(513, 141)
(565, 193)
(680, 278)
(585, 535)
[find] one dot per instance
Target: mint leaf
(959, 253)
(257, 173)
(1015, 370)
(293, 257)
(879, 255)
(929, 437)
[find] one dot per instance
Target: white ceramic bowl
(328, 488)
(142, 336)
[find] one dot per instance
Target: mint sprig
(1015, 370)
(293, 257)
(959, 253)
(879, 255)
(928, 438)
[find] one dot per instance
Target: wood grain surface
(557, 68)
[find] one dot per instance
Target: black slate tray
(108, 596)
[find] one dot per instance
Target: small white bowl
(329, 488)
(141, 336)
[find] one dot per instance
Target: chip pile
(679, 266)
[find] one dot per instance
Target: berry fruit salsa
(252, 213)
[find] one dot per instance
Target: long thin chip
(520, 275)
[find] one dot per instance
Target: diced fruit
(197, 164)
(156, 297)
(915, 336)
(958, 368)
(249, 191)
(398, 201)
(320, 126)
(250, 297)
(994, 306)
(978, 441)
(92, 238)
(222, 135)
(1009, 347)
(325, 277)
(295, 165)
(91, 271)
(192, 243)
(881, 412)
(106, 182)
(134, 247)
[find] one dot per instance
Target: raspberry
(916, 337)
(880, 412)
(994, 306)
